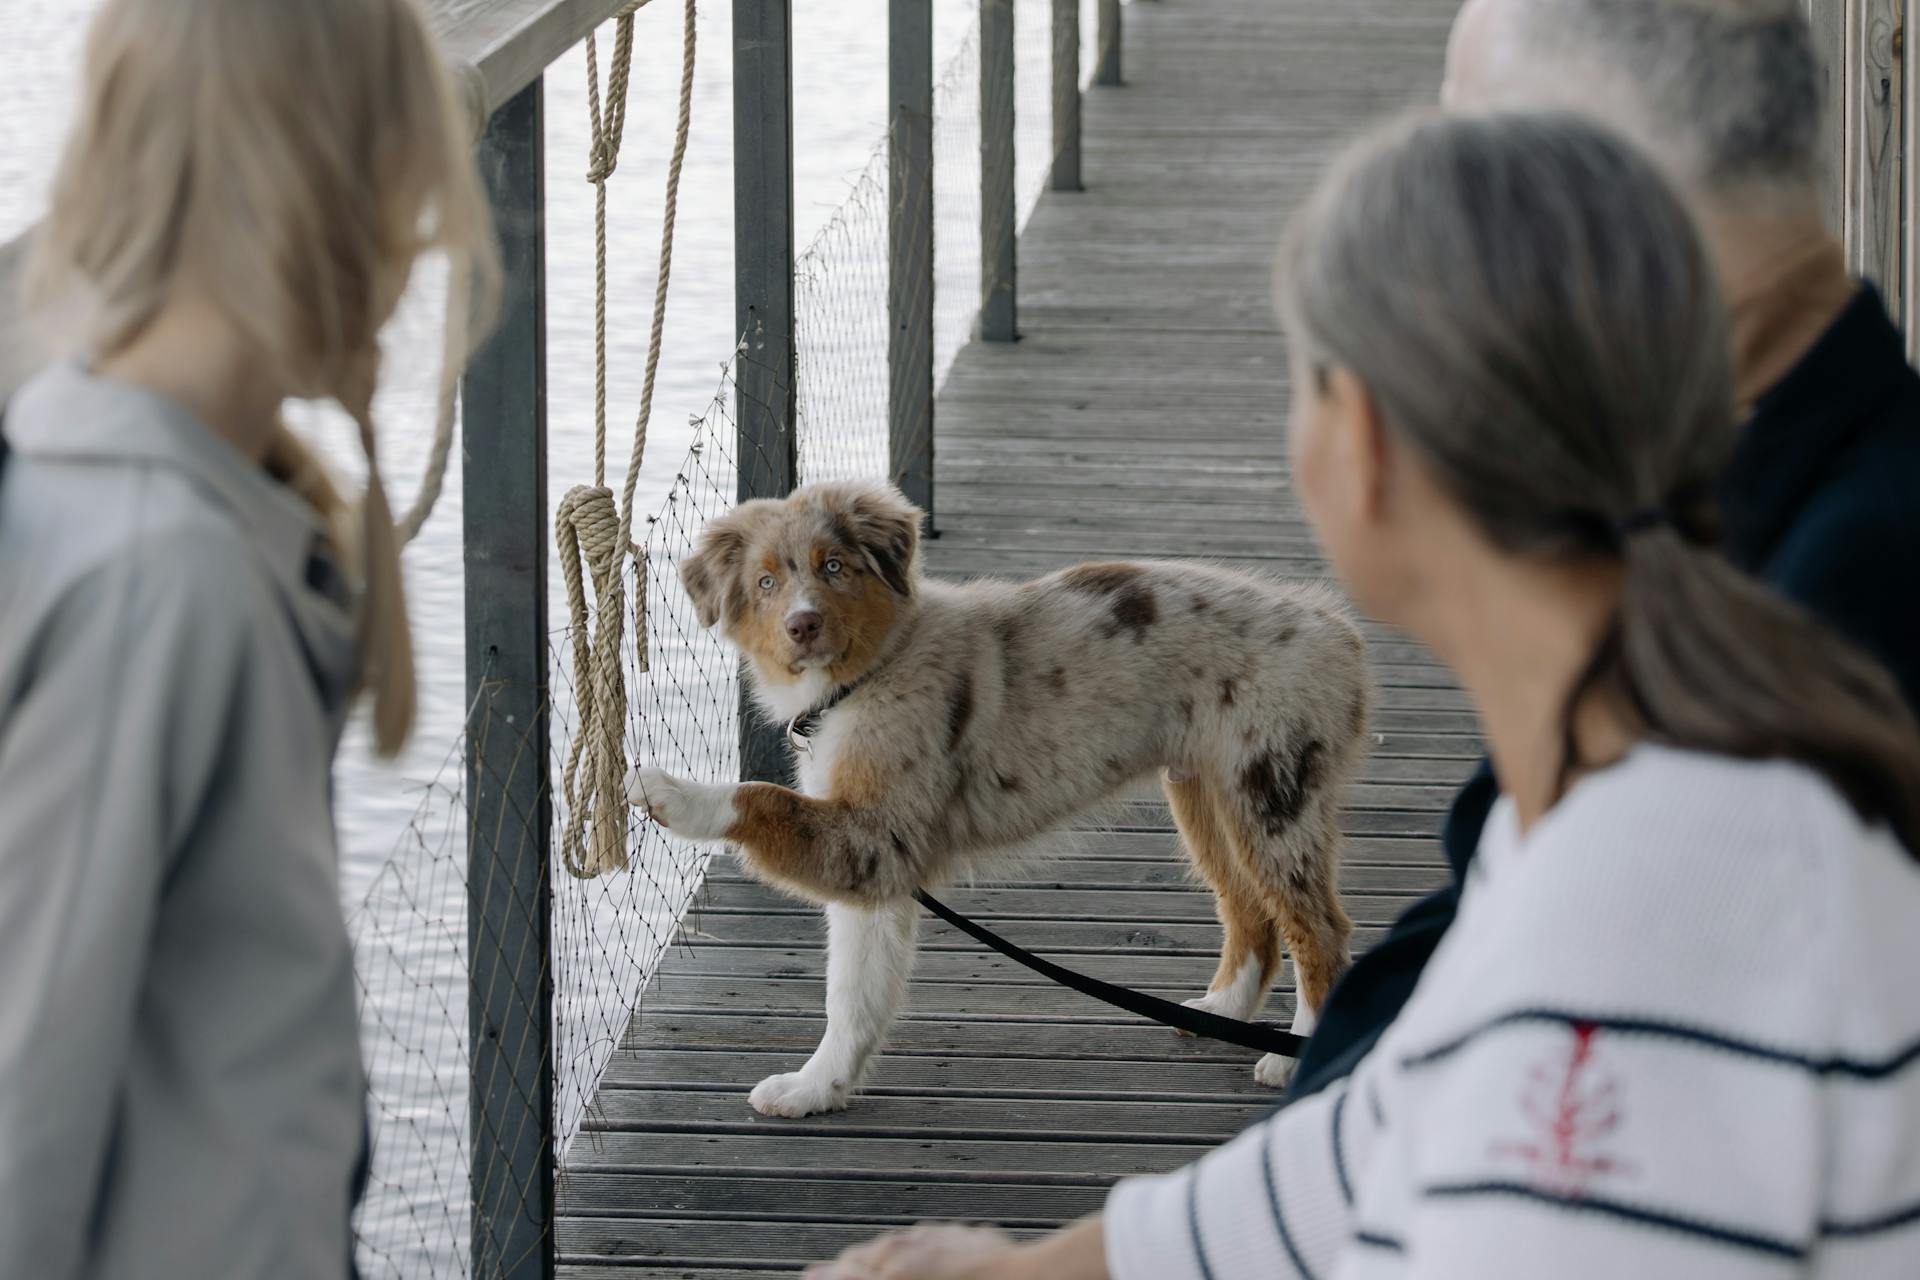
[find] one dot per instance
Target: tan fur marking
(1303, 895)
(782, 832)
(865, 617)
(1249, 923)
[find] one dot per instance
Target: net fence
(607, 935)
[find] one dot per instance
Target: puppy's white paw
(1227, 1003)
(690, 809)
(1274, 1071)
(797, 1094)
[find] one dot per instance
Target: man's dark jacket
(1822, 501)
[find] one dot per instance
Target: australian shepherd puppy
(938, 725)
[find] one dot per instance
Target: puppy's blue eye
(833, 566)
(766, 582)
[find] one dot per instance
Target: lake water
(401, 834)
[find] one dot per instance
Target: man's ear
(885, 528)
(711, 575)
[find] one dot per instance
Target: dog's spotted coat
(981, 715)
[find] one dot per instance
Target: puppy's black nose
(803, 628)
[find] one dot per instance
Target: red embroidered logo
(1571, 1110)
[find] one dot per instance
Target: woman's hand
(930, 1251)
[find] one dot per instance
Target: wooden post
(999, 294)
(1107, 70)
(1873, 117)
(910, 249)
(510, 817)
(763, 293)
(1908, 51)
(1066, 95)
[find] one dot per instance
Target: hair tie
(1641, 520)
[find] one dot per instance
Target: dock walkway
(1142, 415)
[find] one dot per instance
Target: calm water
(410, 934)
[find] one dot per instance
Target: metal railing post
(510, 826)
(999, 293)
(1066, 96)
(763, 293)
(910, 249)
(1108, 37)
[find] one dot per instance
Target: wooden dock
(1142, 414)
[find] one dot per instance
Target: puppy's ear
(886, 529)
(711, 574)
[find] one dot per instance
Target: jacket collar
(70, 414)
(1805, 421)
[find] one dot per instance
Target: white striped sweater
(1674, 1031)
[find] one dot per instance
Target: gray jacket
(181, 1093)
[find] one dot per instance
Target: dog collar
(801, 728)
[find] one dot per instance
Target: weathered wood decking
(1142, 415)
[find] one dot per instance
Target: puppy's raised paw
(691, 809)
(797, 1094)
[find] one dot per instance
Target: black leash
(1248, 1035)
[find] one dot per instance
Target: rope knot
(603, 158)
(587, 527)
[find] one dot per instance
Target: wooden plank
(1006, 1159)
(1037, 1003)
(927, 1075)
(790, 1199)
(506, 44)
(1034, 1119)
(676, 1243)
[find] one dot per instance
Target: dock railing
(840, 348)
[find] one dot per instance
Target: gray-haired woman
(1675, 1031)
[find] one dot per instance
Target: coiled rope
(589, 527)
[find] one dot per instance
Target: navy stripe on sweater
(1680, 1033)
(1891, 1220)
(1694, 1228)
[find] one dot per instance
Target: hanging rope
(592, 531)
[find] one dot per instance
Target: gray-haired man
(1823, 497)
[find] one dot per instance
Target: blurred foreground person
(187, 610)
(1673, 1032)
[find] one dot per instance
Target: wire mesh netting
(607, 935)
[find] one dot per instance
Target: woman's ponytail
(1707, 659)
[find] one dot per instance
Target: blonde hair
(291, 161)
